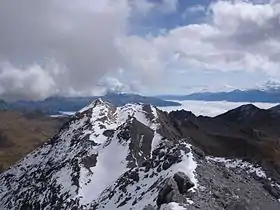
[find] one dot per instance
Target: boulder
(169, 193)
(198, 152)
(183, 182)
(272, 190)
(174, 188)
(149, 207)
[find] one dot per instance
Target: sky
(150, 47)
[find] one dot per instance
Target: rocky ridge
(133, 157)
(99, 159)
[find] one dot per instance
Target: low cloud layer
(212, 108)
(56, 48)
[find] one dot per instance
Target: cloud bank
(56, 48)
(237, 35)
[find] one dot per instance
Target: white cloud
(81, 37)
(238, 36)
(114, 85)
(212, 108)
(30, 83)
(88, 39)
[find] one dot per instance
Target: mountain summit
(100, 159)
(133, 157)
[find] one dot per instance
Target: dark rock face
(169, 193)
(170, 159)
(108, 133)
(149, 207)
(90, 161)
(140, 147)
(183, 182)
(273, 190)
(198, 152)
(174, 189)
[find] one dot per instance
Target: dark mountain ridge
(246, 132)
(232, 96)
(54, 105)
(275, 109)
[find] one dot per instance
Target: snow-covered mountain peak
(89, 163)
(98, 103)
(99, 110)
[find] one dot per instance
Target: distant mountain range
(54, 105)
(268, 92)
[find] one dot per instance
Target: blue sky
(145, 46)
(158, 20)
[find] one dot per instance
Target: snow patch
(132, 110)
(110, 165)
(156, 141)
(237, 163)
(172, 206)
(63, 178)
(92, 105)
(188, 166)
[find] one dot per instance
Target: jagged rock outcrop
(174, 189)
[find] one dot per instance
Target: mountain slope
(275, 109)
(94, 154)
(21, 133)
(135, 157)
(246, 132)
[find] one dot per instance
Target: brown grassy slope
(21, 133)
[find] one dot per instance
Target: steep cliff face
(131, 157)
